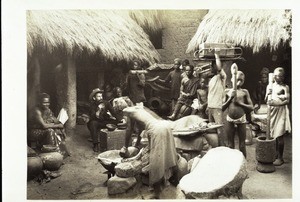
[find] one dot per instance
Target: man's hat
(94, 92)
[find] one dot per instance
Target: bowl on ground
(111, 127)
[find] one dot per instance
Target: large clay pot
(52, 160)
(265, 154)
(34, 166)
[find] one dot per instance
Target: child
(108, 92)
(238, 102)
(260, 90)
(280, 121)
(201, 105)
(136, 84)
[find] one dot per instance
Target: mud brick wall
(178, 29)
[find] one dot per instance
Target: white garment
(216, 89)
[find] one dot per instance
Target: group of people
(209, 97)
(192, 93)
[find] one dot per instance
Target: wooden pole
(66, 90)
(33, 83)
(268, 131)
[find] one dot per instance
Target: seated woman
(44, 128)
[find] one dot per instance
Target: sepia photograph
(163, 103)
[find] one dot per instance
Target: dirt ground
(83, 169)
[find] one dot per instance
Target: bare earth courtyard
(83, 170)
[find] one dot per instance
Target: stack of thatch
(248, 28)
(109, 33)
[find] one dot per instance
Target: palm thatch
(248, 28)
(149, 20)
(111, 33)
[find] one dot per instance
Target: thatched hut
(61, 42)
(256, 29)
(264, 35)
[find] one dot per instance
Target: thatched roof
(149, 20)
(248, 28)
(109, 33)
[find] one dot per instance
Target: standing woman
(279, 118)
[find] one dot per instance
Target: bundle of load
(194, 136)
(227, 51)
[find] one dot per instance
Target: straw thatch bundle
(248, 28)
(149, 20)
(113, 34)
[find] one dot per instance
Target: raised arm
(218, 60)
(220, 70)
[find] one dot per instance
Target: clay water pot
(52, 160)
(34, 166)
(265, 154)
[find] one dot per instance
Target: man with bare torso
(188, 91)
(238, 103)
